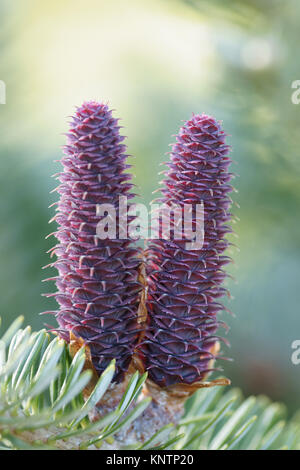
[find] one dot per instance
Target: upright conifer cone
(98, 288)
(184, 286)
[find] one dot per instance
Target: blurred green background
(156, 62)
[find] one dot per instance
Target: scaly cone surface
(184, 285)
(98, 288)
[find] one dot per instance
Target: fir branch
(42, 407)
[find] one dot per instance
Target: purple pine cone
(98, 287)
(184, 285)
